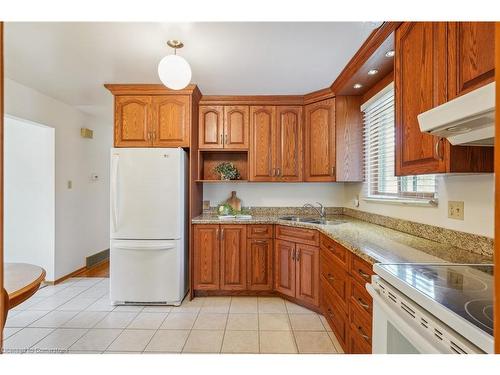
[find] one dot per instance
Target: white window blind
(379, 148)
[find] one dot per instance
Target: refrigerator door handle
(114, 190)
(144, 247)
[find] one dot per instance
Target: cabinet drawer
(260, 231)
(360, 325)
(336, 277)
(298, 235)
(361, 271)
(336, 318)
(362, 299)
(339, 252)
(357, 345)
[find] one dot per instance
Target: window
(379, 148)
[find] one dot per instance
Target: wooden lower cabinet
(307, 274)
(284, 267)
(260, 264)
(336, 317)
(206, 246)
(233, 271)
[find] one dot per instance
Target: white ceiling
(72, 61)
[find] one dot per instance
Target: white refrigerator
(148, 247)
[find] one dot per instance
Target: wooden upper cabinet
(262, 143)
(320, 141)
(307, 274)
(170, 121)
(349, 139)
(284, 267)
(260, 263)
(206, 256)
(471, 55)
(211, 126)
(236, 127)
(233, 257)
(420, 84)
(132, 121)
(289, 140)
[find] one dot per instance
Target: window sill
(404, 202)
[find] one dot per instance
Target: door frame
(496, 255)
(3, 299)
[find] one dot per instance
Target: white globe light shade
(174, 72)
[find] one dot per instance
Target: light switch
(70, 184)
(456, 210)
(94, 177)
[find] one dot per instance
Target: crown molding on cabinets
(149, 89)
(252, 100)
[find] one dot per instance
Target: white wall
(475, 190)
(277, 194)
(82, 213)
(29, 196)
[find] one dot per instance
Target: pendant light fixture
(174, 70)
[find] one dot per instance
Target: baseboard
(62, 278)
(97, 258)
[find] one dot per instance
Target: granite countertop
(373, 243)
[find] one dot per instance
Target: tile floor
(76, 317)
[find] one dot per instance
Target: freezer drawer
(147, 272)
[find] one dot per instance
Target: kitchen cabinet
(170, 121)
(224, 127)
(276, 143)
(206, 245)
(296, 265)
(233, 260)
(132, 121)
(319, 155)
(211, 127)
(471, 56)
(423, 85)
(260, 257)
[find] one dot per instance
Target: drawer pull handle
(363, 304)
(330, 277)
(364, 275)
(330, 312)
(260, 241)
(363, 334)
(259, 230)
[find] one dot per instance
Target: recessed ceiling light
(357, 85)
(390, 53)
(372, 72)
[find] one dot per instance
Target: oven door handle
(403, 325)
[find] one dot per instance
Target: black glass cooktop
(467, 290)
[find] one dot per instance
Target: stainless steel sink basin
(311, 220)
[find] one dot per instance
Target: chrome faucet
(321, 210)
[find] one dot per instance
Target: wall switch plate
(456, 210)
(94, 177)
(206, 205)
(70, 184)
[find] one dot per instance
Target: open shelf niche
(209, 159)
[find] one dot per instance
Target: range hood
(466, 120)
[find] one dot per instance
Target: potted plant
(227, 171)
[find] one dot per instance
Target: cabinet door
(471, 56)
(307, 274)
(170, 124)
(420, 84)
(211, 126)
(320, 141)
(284, 267)
(263, 135)
(289, 143)
(236, 128)
(260, 264)
(132, 121)
(206, 257)
(233, 257)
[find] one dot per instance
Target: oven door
(393, 333)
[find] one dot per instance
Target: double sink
(310, 220)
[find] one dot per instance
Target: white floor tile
(25, 339)
(54, 319)
(148, 320)
(85, 319)
(179, 321)
(168, 341)
(116, 319)
(59, 340)
(96, 339)
(24, 318)
(102, 304)
(28, 303)
(77, 304)
(132, 340)
(7, 332)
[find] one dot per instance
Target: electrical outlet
(206, 205)
(456, 210)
